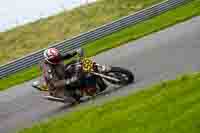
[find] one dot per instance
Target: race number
(87, 65)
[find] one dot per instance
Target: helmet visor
(55, 60)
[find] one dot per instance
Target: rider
(54, 74)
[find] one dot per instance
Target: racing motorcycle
(93, 78)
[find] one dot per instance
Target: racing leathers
(56, 78)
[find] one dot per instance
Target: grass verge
(131, 33)
(169, 107)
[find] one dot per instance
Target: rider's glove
(80, 51)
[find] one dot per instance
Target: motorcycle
(93, 78)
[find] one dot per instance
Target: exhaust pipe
(106, 77)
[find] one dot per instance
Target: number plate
(87, 65)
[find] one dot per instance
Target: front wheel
(124, 76)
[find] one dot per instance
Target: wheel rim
(121, 76)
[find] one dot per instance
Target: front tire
(124, 76)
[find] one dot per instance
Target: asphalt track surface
(156, 57)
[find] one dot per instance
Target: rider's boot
(68, 96)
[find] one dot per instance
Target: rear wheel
(124, 76)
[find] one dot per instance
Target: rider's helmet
(52, 56)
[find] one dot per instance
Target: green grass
(19, 77)
(169, 107)
(25, 39)
(155, 24)
(131, 33)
